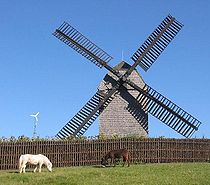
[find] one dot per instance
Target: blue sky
(40, 73)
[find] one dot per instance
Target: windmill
(148, 99)
(35, 123)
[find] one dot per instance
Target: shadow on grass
(13, 172)
(100, 166)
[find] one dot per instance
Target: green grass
(143, 174)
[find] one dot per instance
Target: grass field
(145, 174)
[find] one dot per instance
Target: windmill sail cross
(150, 100)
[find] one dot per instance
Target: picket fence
(89, 152)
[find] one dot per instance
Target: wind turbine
(35, 122)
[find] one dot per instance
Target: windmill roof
(122, 65)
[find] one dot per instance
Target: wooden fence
(90, 152)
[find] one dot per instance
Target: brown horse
(115, 155)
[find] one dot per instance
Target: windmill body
(119, 85)
(123, 116)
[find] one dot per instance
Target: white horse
(35, 160)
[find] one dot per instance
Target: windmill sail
(82, 45)
(166, 111)
(87, 115)
(155, 44)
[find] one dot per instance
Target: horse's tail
(20, 162)
(129, 158)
